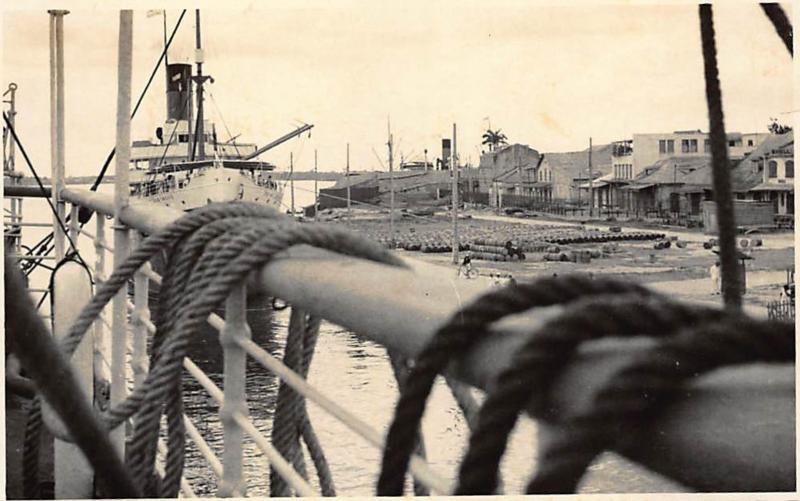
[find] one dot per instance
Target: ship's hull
(210, 186)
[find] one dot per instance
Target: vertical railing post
(72, 289)
(141, 314)
(119, 324)
(101, 353)
(15, 219)
(57, 124)
(74, 224)
(235, 396)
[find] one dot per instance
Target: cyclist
(466, 264)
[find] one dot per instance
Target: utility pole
(291, 178)
(316, 195)
(454, 167)
(347, 179)
(391, 184)
(591, 183)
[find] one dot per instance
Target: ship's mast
(199, 79)
(8, 142)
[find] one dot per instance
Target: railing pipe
(235, 371)
(278, 462)
(205, 450)
(101, 357)
(121, 237)
(27, 192)
(140, 319)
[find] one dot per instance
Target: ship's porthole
(229, 179)
(183, 202)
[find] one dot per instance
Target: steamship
(187, 166)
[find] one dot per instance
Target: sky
(549, 76)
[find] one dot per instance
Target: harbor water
(353, 372)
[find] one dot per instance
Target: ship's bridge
(175, 141)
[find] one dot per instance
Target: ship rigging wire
(41, 187)
(44, 243)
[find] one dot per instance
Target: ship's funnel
(445, 154)
(179, 91)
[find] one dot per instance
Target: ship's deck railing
(229, 468)
(401, 309)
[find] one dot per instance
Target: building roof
(675, 170)
(773, 187)
(575, 164)
(600, 181)
(745, 175)
(526, 155)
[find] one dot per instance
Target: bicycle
(469, 271)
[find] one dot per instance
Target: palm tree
(494, 138)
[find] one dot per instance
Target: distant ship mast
(199, 79)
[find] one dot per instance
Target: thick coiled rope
(465, 328)
(211, 250)
(692, 340)
(549, 349)
(291, 421)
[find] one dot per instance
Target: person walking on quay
(714, 271)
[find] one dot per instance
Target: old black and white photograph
(399, 248)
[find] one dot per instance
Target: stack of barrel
(600, 237)
(495, 250)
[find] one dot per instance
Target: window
(773, 168)
(183, 138)
(789, 169)
(666, 146)
(706, 145)
(689, 145)
(749, 142)
(731, 143)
